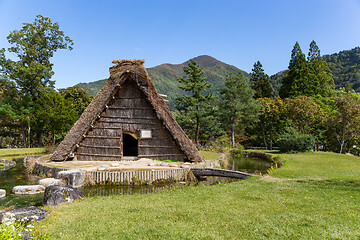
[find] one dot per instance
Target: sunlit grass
(314, 197)
(21, 151)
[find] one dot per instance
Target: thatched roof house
(127, 120)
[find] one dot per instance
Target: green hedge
(295, 142)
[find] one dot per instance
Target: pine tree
(195, 105)
(260, 82)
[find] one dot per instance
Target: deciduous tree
(239, 106)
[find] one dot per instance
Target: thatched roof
(125, 69)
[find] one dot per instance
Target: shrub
(295, 142)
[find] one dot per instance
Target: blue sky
(235, 32)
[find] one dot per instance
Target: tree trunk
(23, 133)
(197, 131)
(264, 135)
(233, 132)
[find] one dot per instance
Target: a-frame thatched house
(127, 120)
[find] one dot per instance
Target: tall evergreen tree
(196, 104)
(294, 80)
(260, 82)
(239, 106)
(322, 82)
(309, 77)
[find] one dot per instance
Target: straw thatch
(128, 103)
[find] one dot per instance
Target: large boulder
(50, 182)
(26, 213)
(72, 178)
(2, 193)
(55, 195)
(6, 164)
(28, 189)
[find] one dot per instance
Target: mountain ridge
(164, 77)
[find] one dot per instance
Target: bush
(295, 142)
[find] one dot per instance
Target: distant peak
(206, 60)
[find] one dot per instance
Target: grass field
(315, 197)
(4, 152)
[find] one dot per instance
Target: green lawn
(315, 197)
(4, 152)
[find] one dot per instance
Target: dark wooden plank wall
(128, 111)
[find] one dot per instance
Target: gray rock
(101, 168)
(55, 195)
(50, 181)
(6, 164)
(72, 178)
(30, 213)
(184, 166)
(28, 189)
(2, 193)
(116, 164)
(164, 164)
(173, 165)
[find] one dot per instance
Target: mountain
(165, 77)
(345, 68)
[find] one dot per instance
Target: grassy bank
(7, 152)
(314, 197)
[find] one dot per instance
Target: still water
(18, 176)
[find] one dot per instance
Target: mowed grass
(4, 152)
(315, 197)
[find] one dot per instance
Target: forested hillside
(345, 68)
(165, 77)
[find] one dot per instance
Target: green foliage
(78, 96)
(343, 123)
(26, 83)
(197, 105)
(306, 77)
(239, 108)
(295, 142)
(345, 68)
(55, 114)
(34, 44)
(10, 229)
(260, 82)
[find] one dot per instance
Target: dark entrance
(130, 146)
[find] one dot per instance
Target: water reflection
(247, 164)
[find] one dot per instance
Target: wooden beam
(219, 173)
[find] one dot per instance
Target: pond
(239, 162)
(18, 176)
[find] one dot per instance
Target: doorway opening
(130, 146)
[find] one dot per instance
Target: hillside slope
(345, 67)
(165, 77)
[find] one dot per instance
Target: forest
(304, 111)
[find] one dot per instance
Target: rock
(173, 165)
(50, 181)
(116, 164)
(30, 213)
(6, 164)
(55, 195)
(152, 164)
(102, 167)
(28, 189)
(2, 193)
(184, 166)
(73, 178)
(164, 164)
